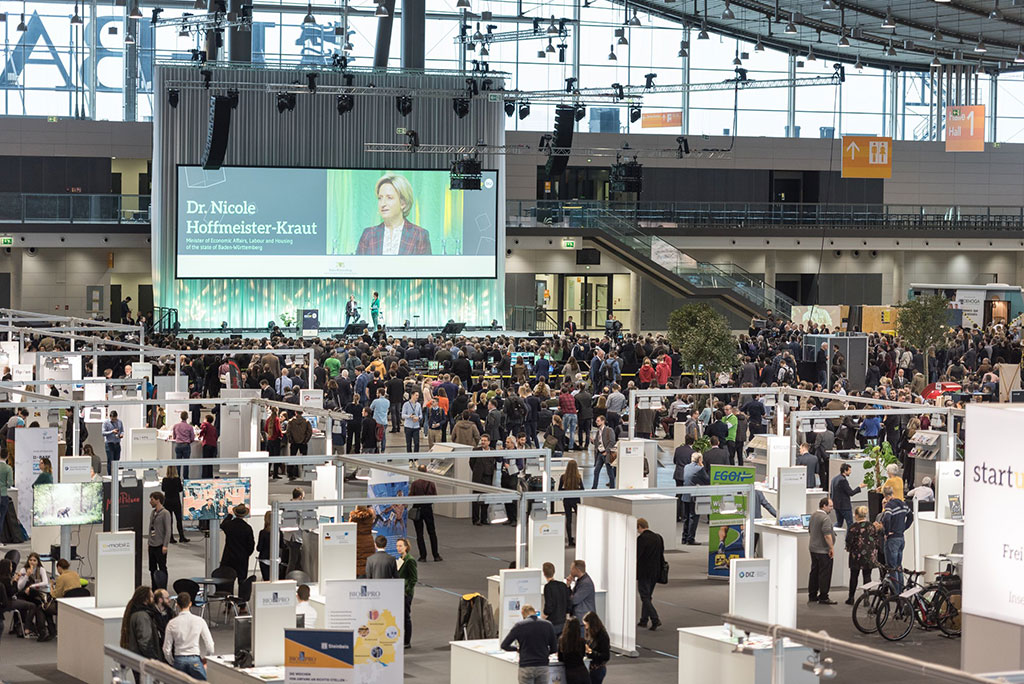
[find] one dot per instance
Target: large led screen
(249, 222)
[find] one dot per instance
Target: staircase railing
(698, 273)
(165, 320)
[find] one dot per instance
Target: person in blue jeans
(113, 433)
(187, 640)
(896, 518)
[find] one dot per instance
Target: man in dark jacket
(896, 518)
(650, 555)
(809, 461)
(841, 492)
(716, 455)
(584, 415)
(681, 459)
(535, 641)
(83, 432)
(239, 543)
(483, 468)
(557, 597)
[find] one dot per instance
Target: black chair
(244, 593)
(222, 591)
(193, 589)
(75, 593)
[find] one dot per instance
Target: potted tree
(879, 457)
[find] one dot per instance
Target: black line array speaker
(217, 130)
(565, 121)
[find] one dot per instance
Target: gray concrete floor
(473, 553)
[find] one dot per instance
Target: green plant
(705, 342)
(923, 323)
(287, 320)
(879, 458)
(702, 444)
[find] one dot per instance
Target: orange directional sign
(965, 129)
(866, 156)
(661, 119)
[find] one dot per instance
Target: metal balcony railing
(652, 216)
(73, 208)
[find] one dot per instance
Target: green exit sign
(6, 241)
(568, 244)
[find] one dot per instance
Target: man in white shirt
(303, 608)
(188, 640)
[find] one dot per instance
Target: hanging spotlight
(620, 33)
(285, 102)
(404, 105)
(484, 51)
(889, 21)
(829, 5)
(309, 18)
(381, 11)
(1019, 58)
(858, 66)
(462, 4)
(759, 46)
(810, 54)
(552, 27)
(524, 110)
(183, 33)
(21, 25)
(135, 12)
(935, 60)
(510, 108)
(936, 36)
(996, 13)
(75, 19)
(844, 42)
(727, 13)
(311, 81)
(579, 111)
(891, 51)
(703, 35)
(477, 36)
(634, 113)
(635, 20)
(682, 49)
(736, 61)
(471, 46)
(129, 39)
(790, 27)
(550, 48)
(980, 47)
(611, 54)
(460, 105)
(173, 94)
(345, 103)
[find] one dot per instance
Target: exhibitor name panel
(249, 222)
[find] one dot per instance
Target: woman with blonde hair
(395, 234)
(571, 480)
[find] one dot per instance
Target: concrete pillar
(769, 268)
(899, 287)
(1018, 270)
(635, 324)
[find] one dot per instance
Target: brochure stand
(337, 553)
(750, 589)
(115, 568)
(546, 542)
(273, 611)
(518, 588)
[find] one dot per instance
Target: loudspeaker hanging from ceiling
(561, 140)
(217, 130)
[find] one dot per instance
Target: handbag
(415, 513)
(663, 577)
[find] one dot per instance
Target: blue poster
(391, 519)
(319, 656)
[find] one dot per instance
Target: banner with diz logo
(993, 488)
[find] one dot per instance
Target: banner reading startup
(994, 492)
(250, 222)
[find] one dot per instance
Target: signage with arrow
(866, 156)
(965, 128)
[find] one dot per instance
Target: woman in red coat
(646, 373)
(664, 370)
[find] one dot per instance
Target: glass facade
(55, 68)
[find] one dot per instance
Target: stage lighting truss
(467, 36)
(546, 149)
(200, 24)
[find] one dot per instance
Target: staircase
(735, 287)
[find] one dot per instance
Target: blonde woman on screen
(394, 235)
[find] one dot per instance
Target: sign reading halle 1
(965, 128)
(866, 156)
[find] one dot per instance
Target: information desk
(84, 629)
(482, 661)
(770, 546)
(457, 468)
(935, 536)
(706, 655)
(219, 670)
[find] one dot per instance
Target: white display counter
(840, 564)
(482, 661)
(706, 654)
(219, 670)
(84, 629)
(494, 597)
(460, 470)
(931, 537)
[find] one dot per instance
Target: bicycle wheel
(947, 613)
(895, 618)
(865, 611)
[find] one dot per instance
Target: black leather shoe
(655, 625)
(438, 559)
(421, 559)
(642, 623)
(826, 602)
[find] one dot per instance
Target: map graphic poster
(318, 656)
(374, 611)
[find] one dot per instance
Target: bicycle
(933, 605)
(868, 604)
